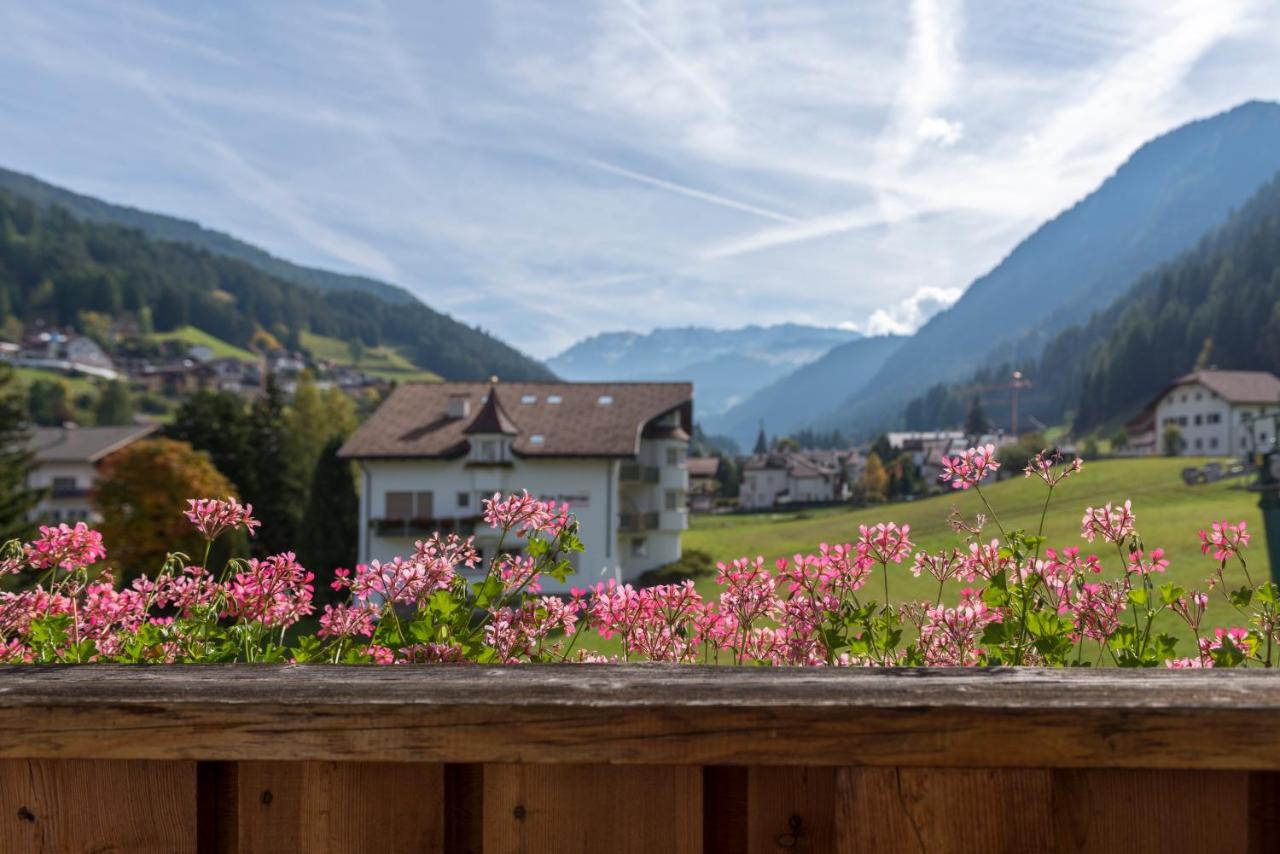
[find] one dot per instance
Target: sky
(550, 170)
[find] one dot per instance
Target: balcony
(673, 520)
(635, 473)
(393, 528)
(637, 523)
(65, 491)
(537, 758)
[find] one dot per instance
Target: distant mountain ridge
(725, 365)
(789, 403)
(1168, 194)
(175, 229)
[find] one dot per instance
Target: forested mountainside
(55, 268)
(1217, 305)
(164, 227)
(1159, 203)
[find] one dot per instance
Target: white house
(1218, 412)
(786, 478)
(67, 467)
(614, 451)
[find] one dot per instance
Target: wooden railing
(636, 759)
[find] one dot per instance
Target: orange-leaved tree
(142, 492)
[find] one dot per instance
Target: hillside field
(383, 362)
(1169, 514)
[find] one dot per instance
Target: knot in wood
(518, 812)
(266, 798)
(25, 814)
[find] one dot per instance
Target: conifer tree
(331, 524)
(17, 499)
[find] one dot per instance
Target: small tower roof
(492, 418)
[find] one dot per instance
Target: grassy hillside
(1169, 514)
(191, 336)
(384, 362)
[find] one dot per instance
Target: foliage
(49, 403)
(56, 268)
(17, 498)
(1021, 601)
(1171, 440)
(976, 423)
(693, 564)
(114, 407)
(327, 539)
(137, 489)
(274, 483)
(875, 480)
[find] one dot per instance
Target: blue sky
(549, 170)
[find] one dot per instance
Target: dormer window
(536, 439)
(459, 406)
(529, 399)
(605, 399)
(554, 398)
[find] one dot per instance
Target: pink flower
(884, 542)
(346, 621)
(1113, 524)
(212, 516)
(943, 566)
(1154, 563)
(276, 591)
(526, 515)
(65, 548)
(1042, 466)
(1191, 609)
(984, 561)
(1224, 540)
(970, 467)
(1187, 663)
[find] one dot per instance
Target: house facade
(787, 477)
(1217, 412)
(67, 467)
(615, 452)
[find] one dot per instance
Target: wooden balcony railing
(635, 759)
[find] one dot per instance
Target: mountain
(790, 402)
(1168, 194)
(725, 365)
(163, 227)
(59, 269)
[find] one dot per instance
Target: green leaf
(1242, 597)
(1170, 593)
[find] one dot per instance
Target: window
(675, 456)
(639, 547)
(536, 439)
(1213, 418)
(553, 398)
(605, 399)
(1199, 420)
(528, 399)
(489, 450)
(403, 506)
(1213, 441)
(64, 484)
(675, 499)
(464, 500)
(1198, 395)
(1199, 444)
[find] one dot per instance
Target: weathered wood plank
(584, 809)
(889, 810)
(646, 715)
(1125, 810)
(725, 797)
(72, 806)
(308, 807)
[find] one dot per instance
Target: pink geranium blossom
(969, 467)
(212, 516)
(1113, 524)
(1224, 540)
(64, 547)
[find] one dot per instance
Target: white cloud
(938, 130)
(909, 315)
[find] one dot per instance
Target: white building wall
(761, 487)
(1210, 425)
(65, 508)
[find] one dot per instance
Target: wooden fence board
(540, 809)
(72, 806)
(314, 807)
(1124, 811)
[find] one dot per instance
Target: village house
(615, 452)
(787, 477)
(67, 467)
(703, 483)
(1216, 412)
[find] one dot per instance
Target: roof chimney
(459, 405)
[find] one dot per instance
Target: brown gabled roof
(492, 417)
(590, 419)
(702, 466)
(1235, 386)
(83, 444)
